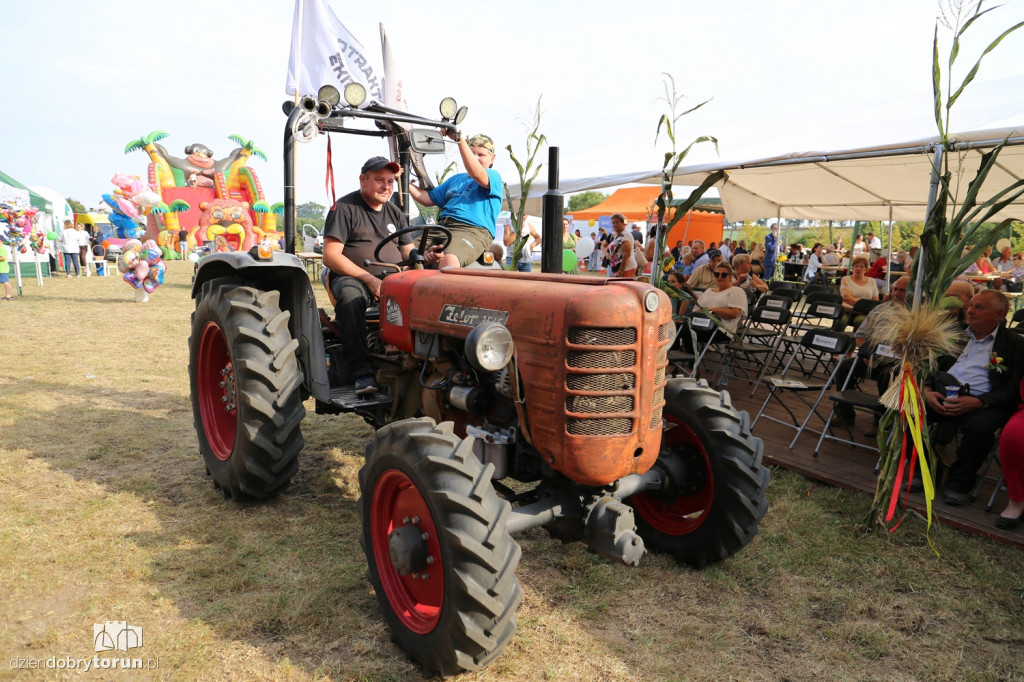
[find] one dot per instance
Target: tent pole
(888, 261)
(933, 193)
(686, 230)
(778, 220)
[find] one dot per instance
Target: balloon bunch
(20, 220)
(19, 231)
(134, 196)
(132, 199)
(142, 265)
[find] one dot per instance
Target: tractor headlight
(354, 94)
(329, 94)
(448, 108)
(489, 346)
(651, 301)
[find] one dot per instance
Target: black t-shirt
(361, 229)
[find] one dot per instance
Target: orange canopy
(636, 203)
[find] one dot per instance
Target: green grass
(107, 514)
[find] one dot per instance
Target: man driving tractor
(354, 227)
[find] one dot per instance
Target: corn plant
(951, 224)
(670, 164)
(527, 174)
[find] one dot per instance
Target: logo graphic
(393, 313)
(470, 317)
(117, 635)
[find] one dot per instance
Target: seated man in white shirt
(989, 370)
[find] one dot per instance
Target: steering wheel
(427, 230)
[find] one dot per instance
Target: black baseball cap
(379, 163)
(714, 253)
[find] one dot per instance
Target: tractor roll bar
(335, 123)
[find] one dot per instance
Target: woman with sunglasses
(725, 301)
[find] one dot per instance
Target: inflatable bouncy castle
(206, 197)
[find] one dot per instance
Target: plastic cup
(952, 392)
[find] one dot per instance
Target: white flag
(325, 53)
(394, 88)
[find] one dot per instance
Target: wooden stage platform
(851, 467)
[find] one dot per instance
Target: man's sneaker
(954, 498)
(365, 385)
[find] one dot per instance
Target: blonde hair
(739, 259)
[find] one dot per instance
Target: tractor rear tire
(439, 555)
(716, 496)
(246, 389)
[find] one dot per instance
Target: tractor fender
(286, 274)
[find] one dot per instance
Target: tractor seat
(372, 312)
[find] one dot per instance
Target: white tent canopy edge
(881, 182)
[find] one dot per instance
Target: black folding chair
(817, 307)
(757, 341)
(861, 308)
(815, 288)
(850, 396)
(814, 344)
(777, 285)
(697, 327)
(819, 315)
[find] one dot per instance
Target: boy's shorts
(4, 278)
(468, 241)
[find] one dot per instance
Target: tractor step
(345, 397)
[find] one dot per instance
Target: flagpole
(296, 51)
(401, 157)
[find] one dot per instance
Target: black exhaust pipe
(553, 204)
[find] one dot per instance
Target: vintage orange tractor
(510, 401)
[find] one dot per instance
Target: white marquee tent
(884, 182)
(854, 181)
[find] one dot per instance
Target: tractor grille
(610, 402)
(599, 404)
(607, 413)
(588, 336)
(600, 382)
(599, 427)
(594, 359)
(666, 333)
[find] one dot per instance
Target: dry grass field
(106, 514)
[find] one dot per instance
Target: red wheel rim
(215, 389)
(685, 513)
(416, 601)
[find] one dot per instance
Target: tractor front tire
(246, 389)
(717, 484)
(439, 555)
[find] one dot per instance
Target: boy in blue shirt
(469, 202)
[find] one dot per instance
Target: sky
(83, 79)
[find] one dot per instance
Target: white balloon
(584, 247)
(194, 257)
